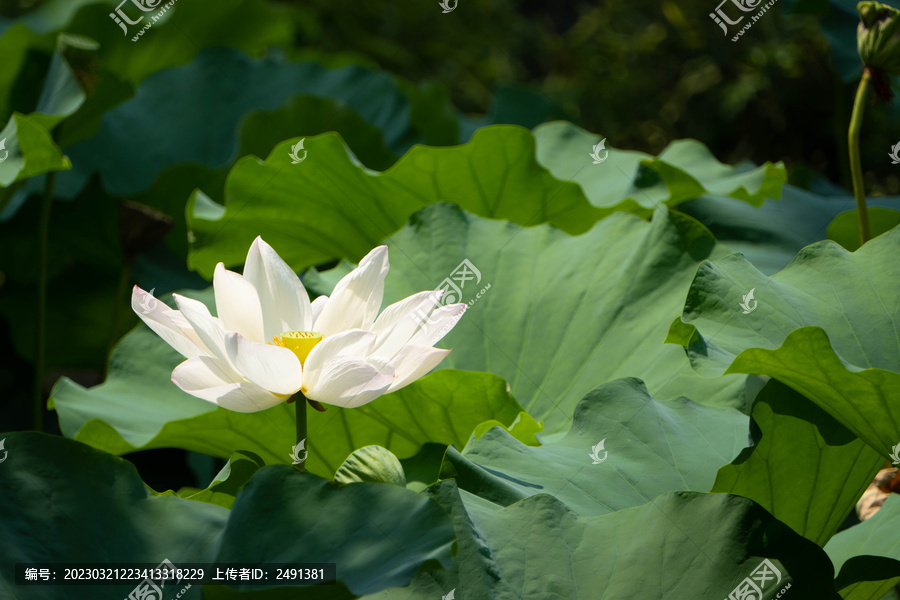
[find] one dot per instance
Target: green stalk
(859, 191)
(37, 415)
(300, 402)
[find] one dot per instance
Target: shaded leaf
(650, 448)
(866, 557)
(845, 227)
(681, 545)
(805, 468)
(826, 326)
(637, 182)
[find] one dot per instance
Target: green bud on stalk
(878, 43)
(878, 37)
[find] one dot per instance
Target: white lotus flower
(269, 342)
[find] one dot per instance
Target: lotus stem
(37, 418)
(859, 191)
(300, 402)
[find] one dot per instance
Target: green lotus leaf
(637, 182)
(345, 210)
(524, 429)
(276, 518)
(866, 557)
(680, 545)
(624, 449)
(216, 110)
(373, 531)
(771, 235)
(826, 326)
(804, 467)
(503, 172)
(552, 327)
(845, 227)
(64, 501)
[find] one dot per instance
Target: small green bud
(878, 37)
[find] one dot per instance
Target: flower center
(300, 343)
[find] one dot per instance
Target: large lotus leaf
(66, 502)
(378, 535)
(680, 546)
(826, 325)
(260, 132)
(224, 85)
(866, 557)
(805, 468)
(503, 172)
(123, 64)
(639, 182)
(563, 314)
(771, 235)
(138, 407)
(649, 448)
(344, 209)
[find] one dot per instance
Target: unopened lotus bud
(878, 37)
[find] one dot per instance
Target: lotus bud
(878, 37)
